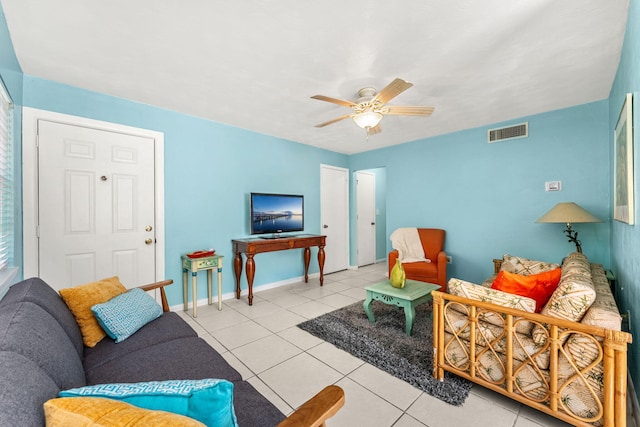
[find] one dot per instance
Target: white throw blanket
(407, 242)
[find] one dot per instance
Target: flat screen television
(276, 213)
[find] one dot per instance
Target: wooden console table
(253, 246)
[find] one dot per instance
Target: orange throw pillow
(81, 298)
(539, 286)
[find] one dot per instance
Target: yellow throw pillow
(81, 298)
(98, 411)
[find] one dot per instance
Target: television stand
(250, 247)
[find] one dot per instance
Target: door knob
(148, 228)
(148, 241)
(325, 226)
(373, 223)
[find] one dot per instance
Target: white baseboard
(243, 292)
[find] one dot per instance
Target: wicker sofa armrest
(317, 410)
(163, 296)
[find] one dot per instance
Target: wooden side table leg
(220, 286)
(307, 259)
(185, 290)
(321, 263)
(237, 268)
(367, 307)
(209, 285)
(194, 292)
(251, 272)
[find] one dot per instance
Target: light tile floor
(289, 366)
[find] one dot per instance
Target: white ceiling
(255, 63)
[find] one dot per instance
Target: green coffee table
(412, 295)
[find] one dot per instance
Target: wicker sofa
(569, 360)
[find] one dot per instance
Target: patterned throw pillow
(209, 401)
(524, 266)
(95, 411)
(81, 298)
(122, 316)
(480, 293)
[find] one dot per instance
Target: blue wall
(625, 239)
(210, 169)
(487, 196)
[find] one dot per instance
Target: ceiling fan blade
(334, 100)
(346, 116)
(374, 130)
(408, 111)
(392, 90)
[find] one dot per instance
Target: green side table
(194, 265)
(412, 295)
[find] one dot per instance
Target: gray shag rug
(384, 344)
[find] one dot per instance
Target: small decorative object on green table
(412, 295)
(398, 277)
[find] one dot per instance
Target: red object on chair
(435, 272)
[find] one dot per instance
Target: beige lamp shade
(567, 213)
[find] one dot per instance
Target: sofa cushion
(96, 411)
(524, 266)
(27, 329)
(168, 327)
(539, 286)
(421, 270)
(573, 296)
(481, 293)
(256, 410)
(604, 311)
(123, 315)
(183, 358)
(38, 292)
(24, 387)
(81, 298)
(209, 401)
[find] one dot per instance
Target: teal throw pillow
(123, 315)
(209, 401)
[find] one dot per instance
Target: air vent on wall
(511, 132)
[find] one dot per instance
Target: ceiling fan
(369, 109)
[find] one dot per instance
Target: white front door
(366, 214)
(96, 205)
(334, 216)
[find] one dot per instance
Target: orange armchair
(435, 272)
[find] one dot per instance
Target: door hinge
(37, 231)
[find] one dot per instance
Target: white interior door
(334, 213)
(366, 217)
(96, 205)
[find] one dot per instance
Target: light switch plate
(553, 186)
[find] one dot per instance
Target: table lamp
(568, 213)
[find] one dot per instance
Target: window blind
(6, 179)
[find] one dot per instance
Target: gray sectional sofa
(42, 353)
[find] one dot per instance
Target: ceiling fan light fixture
(367, 119)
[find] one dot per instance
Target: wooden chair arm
(163, 295)
(317, 410)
